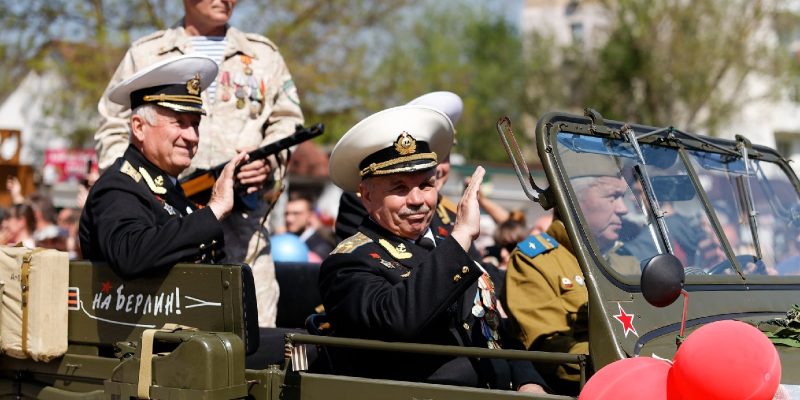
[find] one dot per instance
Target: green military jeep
(728, 211)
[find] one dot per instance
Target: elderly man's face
(601, 199)
(169, 143)
(212, 12)
(401, 203)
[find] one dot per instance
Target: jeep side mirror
(662, 280)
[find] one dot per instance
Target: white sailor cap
(402, 139)
(174, 83)
(446, 102)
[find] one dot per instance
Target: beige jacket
(226, 127)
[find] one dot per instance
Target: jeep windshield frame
(625, 200)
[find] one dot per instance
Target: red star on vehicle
(626, 320)
(106, 287)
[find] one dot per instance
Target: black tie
(426, 243)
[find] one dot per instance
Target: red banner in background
(64, 165)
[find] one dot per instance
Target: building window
(576, 29)
(784, 145)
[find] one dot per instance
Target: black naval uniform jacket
(375, 285)
(138, 221)
(352, 211)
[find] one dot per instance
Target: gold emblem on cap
(405, 144)
(193, 85)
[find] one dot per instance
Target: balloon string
(683, 317)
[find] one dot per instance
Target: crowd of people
(35, 222)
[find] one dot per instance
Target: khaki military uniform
(262, 107)
(546, 293)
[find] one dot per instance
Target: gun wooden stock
(197, 185)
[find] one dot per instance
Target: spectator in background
(302, 221)
(3, 232)
(14, 188)
(506, 237)
(45, 213)
(67, 221)
(51, 237)
(19, 225)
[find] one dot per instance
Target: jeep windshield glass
(775, 205)
(617, 213)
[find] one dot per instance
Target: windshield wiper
(674, 131)
(743, 144)
(647, 187)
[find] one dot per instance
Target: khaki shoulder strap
(25, 286)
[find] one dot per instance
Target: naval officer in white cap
(350, 209)
(136, 217)
(394, 280)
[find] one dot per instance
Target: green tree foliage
(84, 40)
(467, 50)
(659, 62)
(681, 63)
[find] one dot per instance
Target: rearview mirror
(662, 280)
(673, 187)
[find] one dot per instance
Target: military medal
(478, 311)
(225, 82)
(240, 95)
(484, 308)
(246, 60)
(255, 98)
(240, 92)
(170, 209)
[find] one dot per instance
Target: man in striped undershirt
(252, 102)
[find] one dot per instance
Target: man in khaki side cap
(545, 288)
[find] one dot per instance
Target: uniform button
(456, 278)
(465, 269)
(202, 246)
(466, 326)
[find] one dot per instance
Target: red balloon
(629, 378)
(725, 360)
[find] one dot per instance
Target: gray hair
(147, 111)
(582, 183)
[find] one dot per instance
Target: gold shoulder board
(350, 244)
(128, 169)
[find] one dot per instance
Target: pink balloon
(629, 378)
(725, 360)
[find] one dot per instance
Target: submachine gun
(197, 185)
